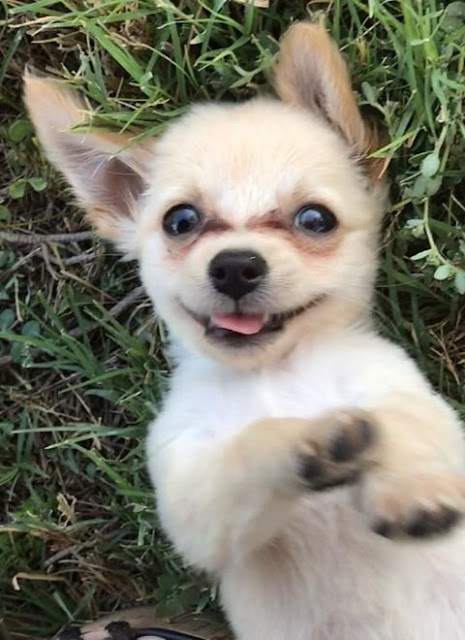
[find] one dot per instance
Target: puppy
(256, 231)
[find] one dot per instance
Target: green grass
(82, 377)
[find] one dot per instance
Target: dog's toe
(426, 523)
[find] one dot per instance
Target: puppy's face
(256, 220)
(253, 224)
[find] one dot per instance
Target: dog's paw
(335, 450)
(417, 505)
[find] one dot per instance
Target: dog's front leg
(416, 484)
(220, 499)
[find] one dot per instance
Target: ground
(81, 356)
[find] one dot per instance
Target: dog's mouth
(247, 328)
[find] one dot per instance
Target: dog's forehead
(245, 158)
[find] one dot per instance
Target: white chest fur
(343, 371)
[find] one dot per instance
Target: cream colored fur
(224, 454)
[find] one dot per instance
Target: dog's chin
(268, 329)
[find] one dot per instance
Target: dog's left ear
(311, 73)
(107, 172)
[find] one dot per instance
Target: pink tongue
(248, 325)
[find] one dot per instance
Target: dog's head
(253, 224)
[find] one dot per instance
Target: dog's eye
(315, 218)
(181, 220)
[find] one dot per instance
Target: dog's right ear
(107, 172)
(312, 74)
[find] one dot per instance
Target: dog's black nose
(236, 273)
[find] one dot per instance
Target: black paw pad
(367, 433)
(310, 468)
(342, 447)
(450, 518)
(346, 446)
(384, 528)
(426, 523)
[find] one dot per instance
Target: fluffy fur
(251, 437)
